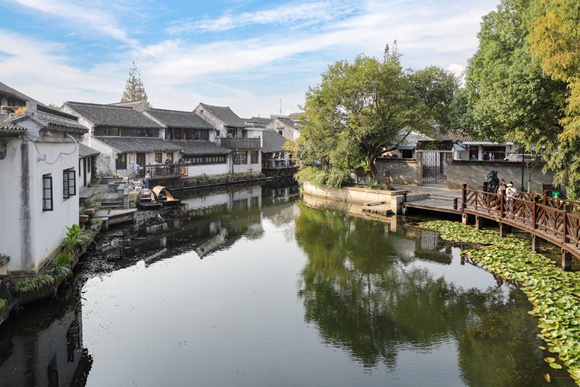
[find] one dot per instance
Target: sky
(257, 57)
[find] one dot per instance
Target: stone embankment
(385, 202)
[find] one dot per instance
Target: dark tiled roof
(225, 115)
(273, 141)
(286, 121)
(9, 129)
(60, 123)
(113, 116)
(139, 144)
(179, 119)
(85, 151)
(435, 145)
(7, 91)
(200, 147)
(260, 120)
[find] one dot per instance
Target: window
(206, 159)
(158, 157)
(240, 158)
(169, 158)
(254, 157)
(46, 193)
(69, 183)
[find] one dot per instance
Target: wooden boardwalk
(545, 218)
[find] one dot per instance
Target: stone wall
(474, 174)
(401, 171)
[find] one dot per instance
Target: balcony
(241, 143)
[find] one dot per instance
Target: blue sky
(258, 57)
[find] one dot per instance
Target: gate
(434, 167)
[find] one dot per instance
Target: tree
(134, 89)
(361, 109)
(506, 96)
(555, 41)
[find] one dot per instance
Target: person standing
(511, 194)
(147, 179)
(501, 187)
(136, 169)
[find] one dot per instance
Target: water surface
(254, 288)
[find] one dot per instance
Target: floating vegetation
(554, 293)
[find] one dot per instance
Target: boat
(164, 196)
(147, 200)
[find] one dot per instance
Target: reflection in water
(246, 287)
(365, 300)
(45, 348)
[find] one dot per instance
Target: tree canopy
(360, 109)
(522, 84)
(555, 41)
(134, 89)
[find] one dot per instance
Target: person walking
(511, 193)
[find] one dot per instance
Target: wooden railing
(241, 143)
(555, 220)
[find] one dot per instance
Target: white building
(39, 158)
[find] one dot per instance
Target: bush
(333, 179)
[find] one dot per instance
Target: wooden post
(465, 219)
(477, 223)
(405, 197)
(566, 260)
(536, 243)
(504, 229)
(463, 196)
(501, 205)
(455, 204)
(534, 215)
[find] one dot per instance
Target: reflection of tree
(365, 300)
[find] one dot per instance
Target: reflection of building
(53, 356)
(205, 222)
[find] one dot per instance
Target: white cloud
(85, 14)
(294, 14)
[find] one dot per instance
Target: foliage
(507, 96)
(20, 111)
(51, 277)
(63, 259)
(522, 84)
(552, 291)
(2, 306)
(335, 178)
(362, 108)
(134, 89)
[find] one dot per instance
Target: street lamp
(523, 166)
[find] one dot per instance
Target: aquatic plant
(554, 293)
(50, 277)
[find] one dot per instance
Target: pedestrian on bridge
(511, 193)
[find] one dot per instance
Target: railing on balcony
(277, 164)
(241, 143)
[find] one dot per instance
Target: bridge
(554, 220)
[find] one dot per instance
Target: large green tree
(555, 41)
(360, 109)
(134, 89)
(507, 97)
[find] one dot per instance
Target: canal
(253, 287)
